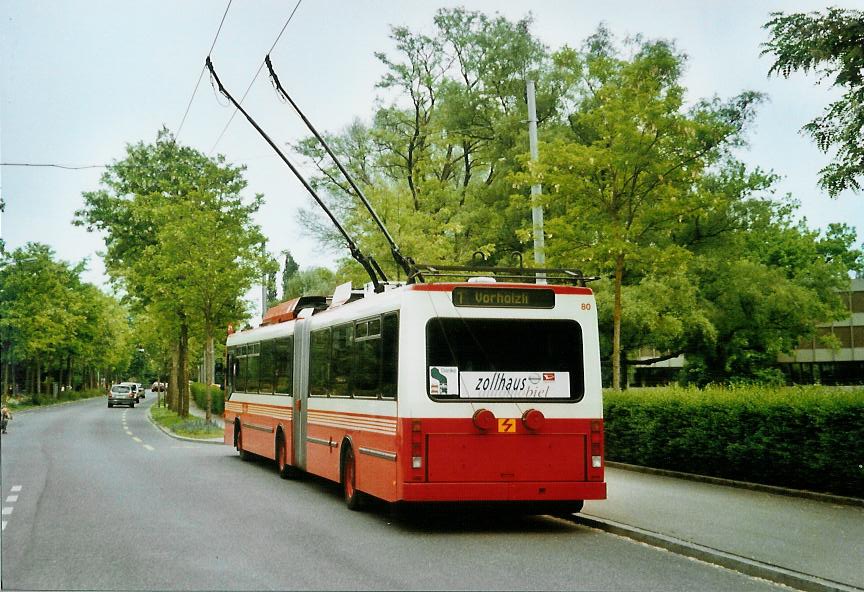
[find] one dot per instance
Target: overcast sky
(81, 79)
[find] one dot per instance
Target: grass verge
(188, 427)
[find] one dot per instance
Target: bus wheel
(353, 499)
(286, 471)
(243, 454)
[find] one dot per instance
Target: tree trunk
(183, 370)
(209, 372)
(616, 324)
(174, 379)
(5, 380)
(38, 378)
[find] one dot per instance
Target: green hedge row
(800, 437)
(200, 396)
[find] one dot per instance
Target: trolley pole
(536, 191)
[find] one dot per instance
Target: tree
(289, 270)
(315, 281)
(180, 240)
(434, 160)
(627, 171)
(52, 322)
(830, 44)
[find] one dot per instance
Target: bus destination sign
(503, 297)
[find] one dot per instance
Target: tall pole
(536, 208)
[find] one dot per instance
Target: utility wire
(254, 78)
(56, 166)
(201, 75)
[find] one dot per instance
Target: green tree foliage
(434, 161)
(316, 281)
(289, 270)
(631, 164)
(831, 44)
(180, 240)
(56, 327)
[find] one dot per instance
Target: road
(104, 500)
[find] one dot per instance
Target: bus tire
(286, 471)
(244, 455)
(354, 499)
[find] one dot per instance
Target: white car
(121, 394)
(137, 391)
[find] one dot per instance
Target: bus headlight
(596, 462)
(416, 462)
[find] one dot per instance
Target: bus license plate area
(494, 457)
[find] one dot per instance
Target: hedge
(217, 405)
(799, 437)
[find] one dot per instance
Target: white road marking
(16, 488)
(7, 510)
(11, 499)
(4, 524)
(128, 433)
(148, 447)
(137, 439)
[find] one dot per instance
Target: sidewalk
(802, 536)
(198, 412)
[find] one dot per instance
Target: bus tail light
(484, 420)
(533, 419)
(596, 444)
(416, 444)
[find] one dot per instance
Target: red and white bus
(468, 391)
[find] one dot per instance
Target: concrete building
(818, 361)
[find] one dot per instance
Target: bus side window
(229, 374)
(340, 362)
(252, 368)
(240, 380)
(284, 363)
(389, 355)
(367, 369)
(319, 363)
(267, 367)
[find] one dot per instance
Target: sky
(81, 79)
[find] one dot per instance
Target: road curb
(168, 432)
(799, 493)
(750, 567)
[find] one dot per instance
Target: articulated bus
(443, 392)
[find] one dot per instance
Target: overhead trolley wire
(254, 78)
(203, 68)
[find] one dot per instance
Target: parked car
(136, 389)
(121, 394)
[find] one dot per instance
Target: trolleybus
(463, 391)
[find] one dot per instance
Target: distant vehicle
(159, 387)
(121, 394)
(135, 389)
(141, 390)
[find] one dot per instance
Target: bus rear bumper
(506, 491)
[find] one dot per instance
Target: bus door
(301, 387)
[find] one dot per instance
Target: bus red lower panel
(525, 491)
(469, 457)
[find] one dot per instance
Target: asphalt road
(101, 499)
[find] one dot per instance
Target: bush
(199, 393)
(800, 437)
